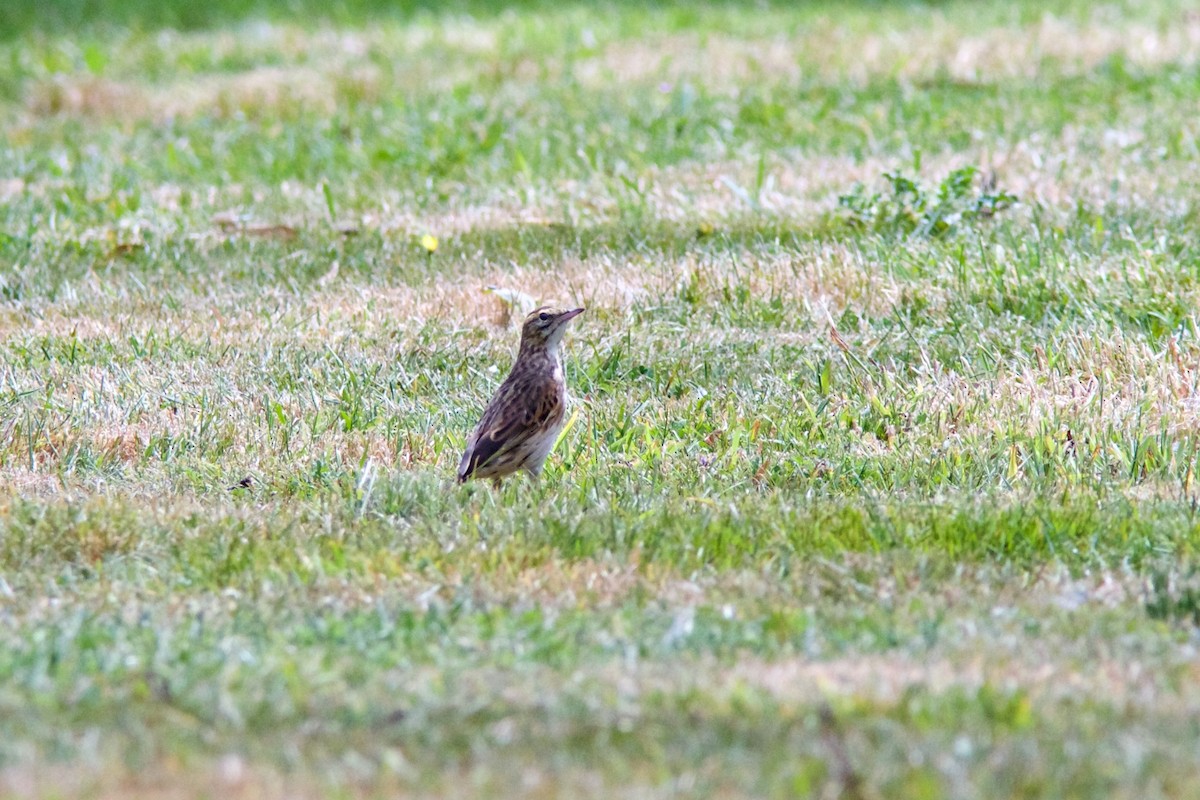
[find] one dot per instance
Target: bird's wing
(509, 421)
(500, 431)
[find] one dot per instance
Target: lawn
(880, 477)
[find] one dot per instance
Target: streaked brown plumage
(521, 423)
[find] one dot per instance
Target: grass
(881, 477)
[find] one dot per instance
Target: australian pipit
(521, 424)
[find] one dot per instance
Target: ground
(879, 479)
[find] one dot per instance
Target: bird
(521, 424)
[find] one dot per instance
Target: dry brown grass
(888, 678)
(321, 68)
(941, 47)
(229, 777)
(264, 92)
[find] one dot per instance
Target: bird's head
(545, 326)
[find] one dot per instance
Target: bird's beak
(572, 314)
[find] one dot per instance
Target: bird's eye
(543, 316)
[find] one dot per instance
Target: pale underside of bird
(520, 426)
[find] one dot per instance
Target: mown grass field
(879, 484)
